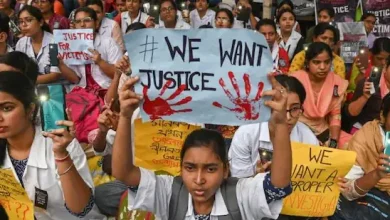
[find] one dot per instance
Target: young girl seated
(199, 193)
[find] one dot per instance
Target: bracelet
(62, 159)
(67, 170)
(356, 185)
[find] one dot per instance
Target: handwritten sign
(73, 45)
(158, 144)
(201, 76)
(353, 37)
(14, 198)
(314, 180)
(381, 10)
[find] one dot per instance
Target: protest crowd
(74, 87)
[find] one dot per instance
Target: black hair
(135, 26)
(37, 14)
(206, 138)
(4, 26)
(385, 107)
(208, 1)
(3, 213)
(205, 26)
(366, 15)
(95, 2)
(285, 11)
(320, 29)
(315, 49)
(228, 12)
(286, 2)
(380, 44)
(87, 10)
(328, 9)
(23, 63)
(292, 85)
(171, 1)
(264, 22)
(22, 89)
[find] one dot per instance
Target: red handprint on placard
(245, 108)
(160, 107)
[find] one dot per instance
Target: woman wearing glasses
(54, 20)
(224, 18)
(35, 44)
(169, 17)
(244, 151)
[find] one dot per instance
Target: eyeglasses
(295, 112)
(223, 20)
(167, 10)
(40, 1)
(83, 20)
(26, 21)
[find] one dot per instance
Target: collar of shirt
(37, 157)
(47, 39)
(126, 17)
(295, 36)
(275, 52)
(219, 206)
(209, 13)
(9, 49)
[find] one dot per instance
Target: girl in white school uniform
(91, 81)
(291, 41)
(244, 154)
(107, 27)
(134, 14)
(204, 169)
(50, 166)
(169, 17)
(35, 44)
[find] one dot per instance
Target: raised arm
(122, 164)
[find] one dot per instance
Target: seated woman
(53, 19)
(249, 139)
(91, 81)
(325, 94)
(365, 106)
(366, 188)
(52, 164)
(197, 194)
(376, 58)
(326, 33)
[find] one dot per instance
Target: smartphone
(154, 12)
(184, 9)
(53, 53)
(265, 155)
(374, 78)
(363, 57)
(387, 146)
(14, 28)
(243, 13)
(52, 99)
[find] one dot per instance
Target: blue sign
(201, 76)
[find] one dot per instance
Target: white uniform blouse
(180, 25)
(126, 20)
(154, 193)
(208, 18)
(110, 52)
(41, 173)
(244, 150)
(43, 59)
(291, 43)
(109, 28)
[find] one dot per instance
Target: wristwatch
(332, 143)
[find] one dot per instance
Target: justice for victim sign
(314, 179)
(158, 144)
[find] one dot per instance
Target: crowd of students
(314, 100)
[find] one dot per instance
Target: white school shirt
(41, 173)
(110, 52)
(179, 17)
(291, 43)
(43, 59)
(110, 28)
(126, 20)
(154, 194)
(180, 25)
(275, 55)
(244, 154)
(208, 18)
